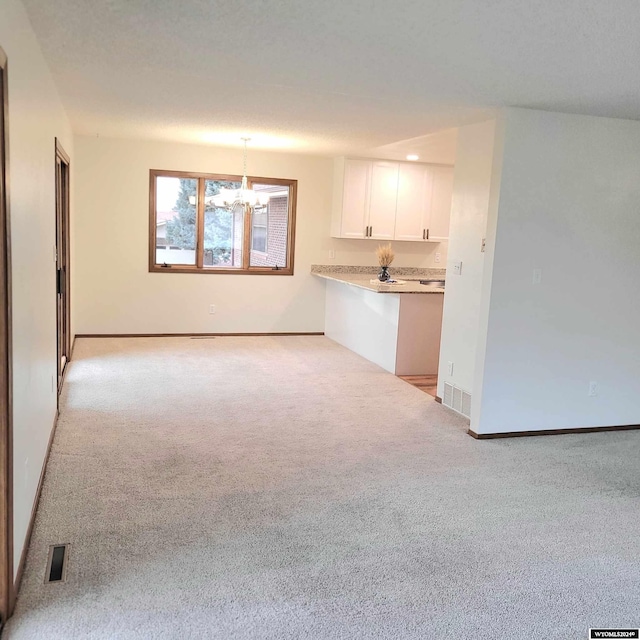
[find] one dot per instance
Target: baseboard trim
(550, 432)
(438, 399)
(34, 509)
(195, 335)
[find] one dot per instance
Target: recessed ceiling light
(413, 156)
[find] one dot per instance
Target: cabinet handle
(427, 234)
(424, 233)
(371, 231)
(366, 231)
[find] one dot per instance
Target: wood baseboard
(550, 432)
(195, 335)
(439, 399)
(34, 509)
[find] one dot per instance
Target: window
(188, 233)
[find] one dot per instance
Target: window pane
(270, 228)
(176, 220)
(223, 229)
(259, 239)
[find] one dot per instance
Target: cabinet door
(384, 193)
(414, 201)
(355, 198)
(441, 203)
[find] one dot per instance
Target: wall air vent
(447, 400)
(457, 399)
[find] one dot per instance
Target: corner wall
(469, 210)
(36, 118)
(569, 205)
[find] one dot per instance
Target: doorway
(7, 593)
(63, 308)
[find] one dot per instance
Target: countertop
(362, 280)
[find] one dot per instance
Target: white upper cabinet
(382, 205)
(441, 203)
(355, 198)
(414, 202)
(386, 200)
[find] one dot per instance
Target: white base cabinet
(383, 200)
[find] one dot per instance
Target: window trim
(199, 267)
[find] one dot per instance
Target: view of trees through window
(216, 240)
(180, 224)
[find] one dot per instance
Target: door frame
(7, 587)
(63, 206)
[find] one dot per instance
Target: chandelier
(242, 197)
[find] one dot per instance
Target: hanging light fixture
(242, 197)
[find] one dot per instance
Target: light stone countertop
(362, 280)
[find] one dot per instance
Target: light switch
(457, 268)
(537, 276)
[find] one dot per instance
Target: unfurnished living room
(319, 320)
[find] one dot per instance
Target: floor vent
(57, 563)
(457, 399)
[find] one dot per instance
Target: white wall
(113, 291)
(569, 204)
(36, 117)
(469, 209)
(362, 253)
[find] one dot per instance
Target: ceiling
(332, 77)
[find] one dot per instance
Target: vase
(383, 276)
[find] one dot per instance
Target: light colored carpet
(285, 488)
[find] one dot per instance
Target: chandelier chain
(245, 155)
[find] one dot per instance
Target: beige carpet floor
(285, 488)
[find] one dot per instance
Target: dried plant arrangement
(385, 255)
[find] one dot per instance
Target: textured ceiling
(334, 76)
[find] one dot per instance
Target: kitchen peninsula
(397, 326)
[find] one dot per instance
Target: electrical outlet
(450, 368)
(593, 388)
(212, 309)
(332, 254)
(437, 257)
(537, 276)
